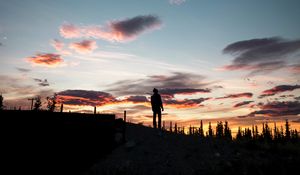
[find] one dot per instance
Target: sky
(210, 60)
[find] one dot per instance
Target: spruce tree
(287, 130)
(1, 102)
(201, 133)
(37, 104)
(210, 131)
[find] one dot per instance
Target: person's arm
(161, 104)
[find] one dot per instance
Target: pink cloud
(116, 30)
(68, 30)
(46, 59)
(294, 68)
(85, 46)
(58, 45)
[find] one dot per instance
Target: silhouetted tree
(210, 131)
(37, 103)
(276, 134)
(239, 134)
(219, 129)
(1, 102)
(247, 134)
(267, 133)
(256, 132)
(51, 102)
(287, 130)
(281, 133)
(227, 131)
(294, 135)
(201, 133)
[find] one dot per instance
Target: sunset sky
(211, 60)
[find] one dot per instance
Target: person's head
(155, 91)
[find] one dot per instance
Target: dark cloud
(286, 96)
(177, 82)
(276, 109)
(296, 121)
(42, 82)
(278, 89)
(137, 99)
(186, 103)
(246, 45)
(23, 69)
(261, 55)
(239, 95)
(242, 103)
(134, 26)
(116, 30)
(85, 46)
(85, 97)
(46, 59)
(186, 91)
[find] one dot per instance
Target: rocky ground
(150, 152)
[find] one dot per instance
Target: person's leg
(154, 119)
(159, 119)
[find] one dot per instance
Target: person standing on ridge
(157, 107)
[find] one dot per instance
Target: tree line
(222, 130)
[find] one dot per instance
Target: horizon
(211, 61)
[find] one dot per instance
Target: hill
(149, 152)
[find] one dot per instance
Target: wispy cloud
(243, 103)
(58, 45)
(170, 92)
(239, 95)
(276, 108)
(23, 70)
(186, 103)
(176, 2)
(42, 82)
(261, 55)
(45, 59)
(115, 30)
(17, 89)
(295, 68)
(85, 46)
(278, 89)
(176, 82)
(68, 30)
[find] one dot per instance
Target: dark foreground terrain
(150, 153)
(85, 144)
(41, 142)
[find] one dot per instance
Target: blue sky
(188, 37)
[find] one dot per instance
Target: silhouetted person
(157, 107)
